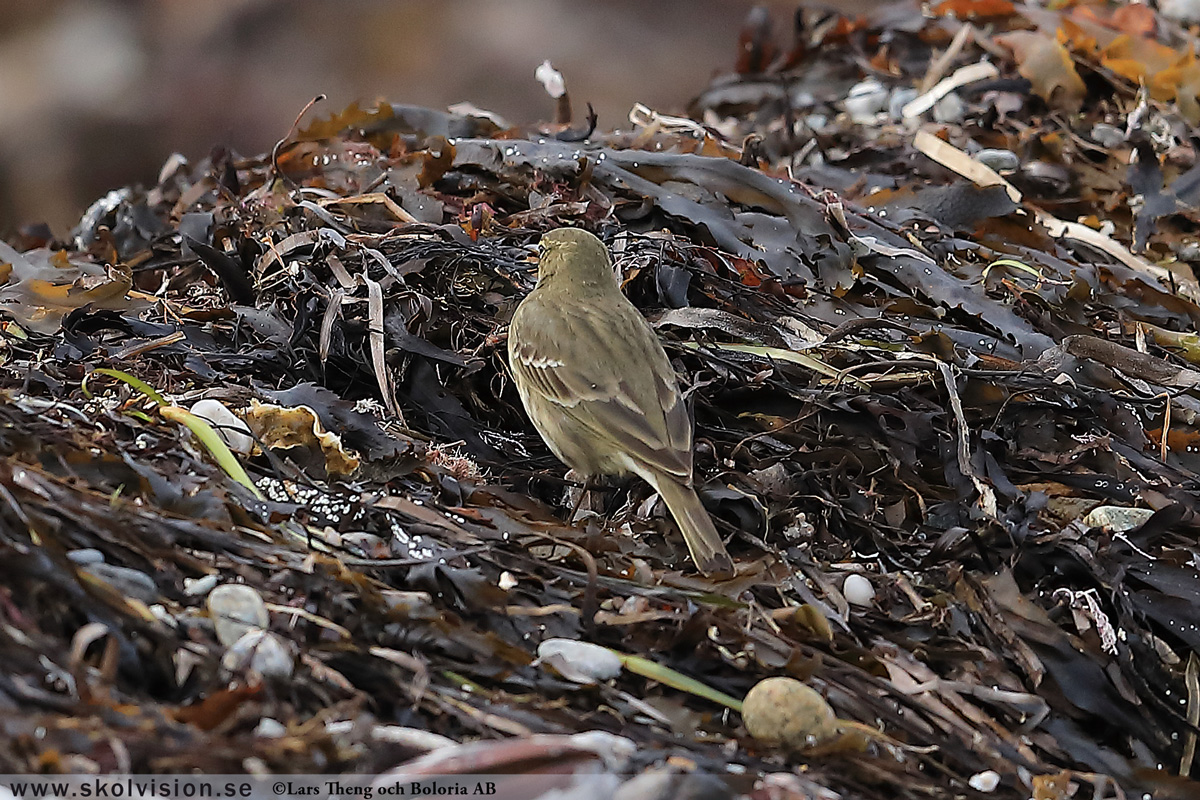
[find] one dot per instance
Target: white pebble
(950, 109)
(1107, 135)
(261, 652)
(858, 590)
(198, 587)
(1117, 518)
(229, 426)
(1185, 11)
(269, 728)
(985, 781)
(865, 101)
(999, 160)
(236, 609)
(586, 660)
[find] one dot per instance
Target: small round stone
(260, 652)
(1107, 135)
(269, 728)
(235, 609)
(950, 109)
(229, 426)
(858, 590)
(86, 555)
(999, 160)
(899, 99)
(865, 100)
(784, 711)
(985, 781)
(198, 587)
(581, 661)
(129, 582)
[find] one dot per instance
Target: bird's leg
(578, 502)
(621, 490)
(582, 497)
(576, 492)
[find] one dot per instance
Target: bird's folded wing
(645, 417)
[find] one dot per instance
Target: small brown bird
(599, 387)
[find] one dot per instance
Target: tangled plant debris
(927, 278)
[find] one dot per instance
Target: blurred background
(96, 94)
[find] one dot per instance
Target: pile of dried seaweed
(927, 283)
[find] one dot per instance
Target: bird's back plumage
(604, 397)
(599, 387)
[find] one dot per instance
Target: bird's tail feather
(703, 541)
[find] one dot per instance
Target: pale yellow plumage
(599, 387)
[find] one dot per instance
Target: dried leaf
(1047, 64)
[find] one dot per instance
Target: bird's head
(576, 255)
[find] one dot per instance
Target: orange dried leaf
(880, 60)
(437, 158)
(1045, 62)
(748, 271)
(216, 708)
(1180, 82)
(844, 27)
(43, 287)
(1134, 19)
(351, 117)
(1077, 37)
(1128, 68)
(1051, 787)
(1086, 12)
(711, 148)
(1135, 57)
